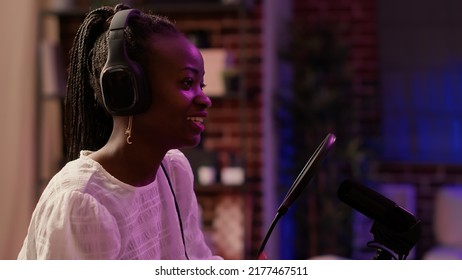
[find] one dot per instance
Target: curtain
(18, 29)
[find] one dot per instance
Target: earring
(128, 131)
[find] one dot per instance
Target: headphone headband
(120, 19)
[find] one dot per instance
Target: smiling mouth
(196, 119)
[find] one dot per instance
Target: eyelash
(188, 83)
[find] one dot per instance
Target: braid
(87, 125)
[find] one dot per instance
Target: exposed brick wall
(356, 22)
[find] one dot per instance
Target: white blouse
(86, 213)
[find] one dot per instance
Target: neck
(133, 164)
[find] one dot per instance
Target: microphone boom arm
(299, 184)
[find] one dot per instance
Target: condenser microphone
(300, 183)
(376, 206)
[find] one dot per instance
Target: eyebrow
(191, 69)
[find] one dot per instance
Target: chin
(192, 142)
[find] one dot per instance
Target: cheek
(168, 99)
(161, 99)
(169, 111)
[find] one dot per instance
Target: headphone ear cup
(143, 98)
(125, 91)
(123, 83)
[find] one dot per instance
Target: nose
(203, 100)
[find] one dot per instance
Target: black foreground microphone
(300, 183)
(376, 206)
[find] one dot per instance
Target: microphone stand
(387, 241)
(268, 233)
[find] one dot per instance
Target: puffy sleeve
(75, 226)
(180, 170)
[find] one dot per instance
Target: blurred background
(384, 76)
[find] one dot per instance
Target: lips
(198, 122)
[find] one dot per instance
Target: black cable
(177, 211)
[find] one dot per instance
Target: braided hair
(87, 124)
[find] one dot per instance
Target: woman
(126, 192)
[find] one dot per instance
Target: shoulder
(176, 161)
(77, 190)
(73, 176)
(175, 155)
(178, 168)
(81, 175)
